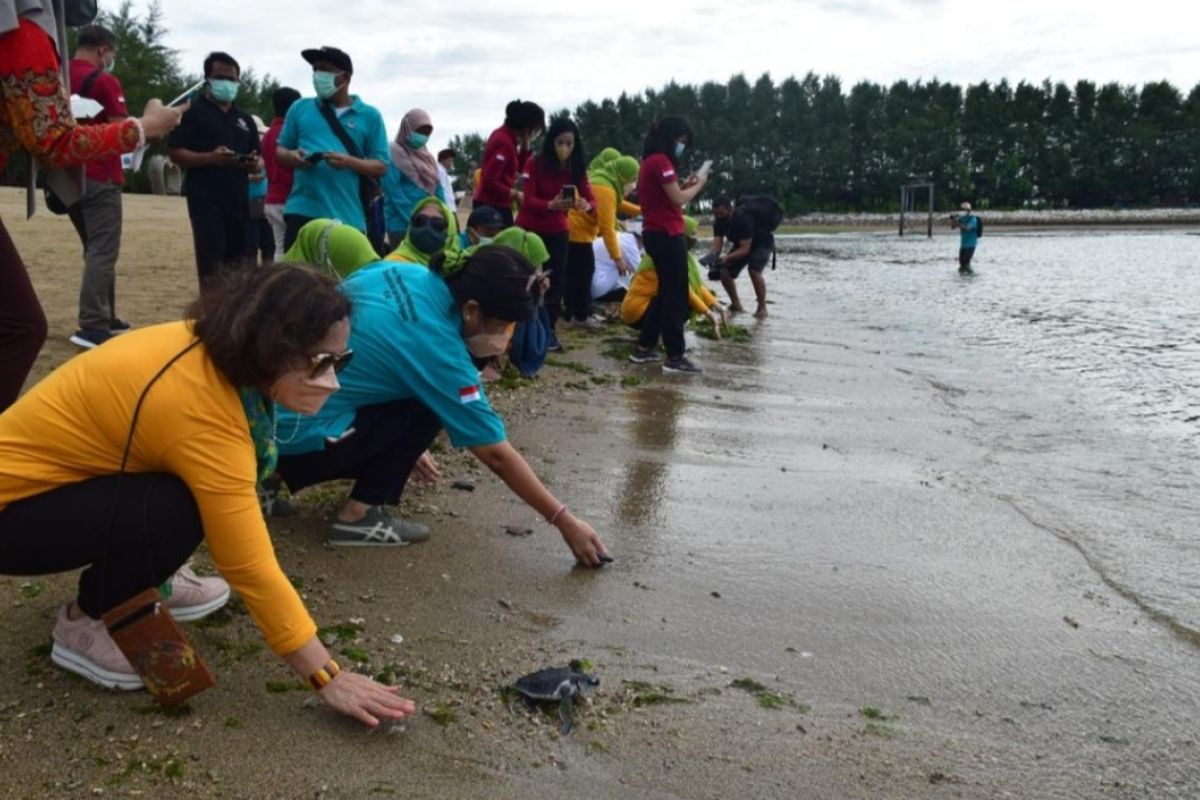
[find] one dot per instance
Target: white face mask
(486, 345)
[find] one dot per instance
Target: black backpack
(767, 216)
(978, 225)
(54, 203)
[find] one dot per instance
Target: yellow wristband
(324, 676)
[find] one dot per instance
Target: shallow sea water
(1077, 354)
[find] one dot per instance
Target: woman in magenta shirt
(503, 154)
(663, 198)
(555, 181)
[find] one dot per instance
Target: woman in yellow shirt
(609, 181)
(124, 458)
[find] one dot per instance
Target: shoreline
(897, 629)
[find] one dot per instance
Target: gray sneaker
(377, 528)
(640, 356)
(681, 366)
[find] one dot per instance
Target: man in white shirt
(445, 161)
(610, 279)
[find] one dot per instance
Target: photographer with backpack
(750, 227)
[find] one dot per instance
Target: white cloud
(464, 61)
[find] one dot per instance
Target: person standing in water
(968, 231)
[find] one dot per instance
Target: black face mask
(428, 234)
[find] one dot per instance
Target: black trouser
(556, 245)
(668, 311)
(128, 540)
(379, 456)
(577, 287)
(965, 254)
(260, 242)
(219, 236)
(22, 322)
(292, 223)
(506, 213)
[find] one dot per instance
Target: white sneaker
(193, 597)
(84, 647)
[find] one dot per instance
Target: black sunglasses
(437, 223)
(321, 363)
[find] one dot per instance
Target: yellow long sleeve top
(73, 425)
(644, 287)
(601, 220)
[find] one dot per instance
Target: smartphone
(567, 193)
(247, 158)
(187, 95)
(313, 158)
(705, 168)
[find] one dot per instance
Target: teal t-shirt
(400, 194)
(968, 230)
(324, 191)
(406, 335)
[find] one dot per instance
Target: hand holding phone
(313, 158)
(705, 168)
(567, 194)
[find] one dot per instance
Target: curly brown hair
(257, 324)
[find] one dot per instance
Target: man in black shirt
(750, 249)
(217, 143)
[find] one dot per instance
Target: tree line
(816, 147)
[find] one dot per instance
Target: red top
(499, 169)
(279, 176)
(658, 212)
(105, 90)
(542, 186)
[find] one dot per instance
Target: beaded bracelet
(558, 513)
(324, 676)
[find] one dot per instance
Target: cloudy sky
(463, 61)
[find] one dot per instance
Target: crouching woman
(415, 331)
(126, 457)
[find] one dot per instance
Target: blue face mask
(223, 91)
(325, 84)
(679, 148)
(417, 140)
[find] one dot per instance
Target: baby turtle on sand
(555, 685)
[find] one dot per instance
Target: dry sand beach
(814, 597)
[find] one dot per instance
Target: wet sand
(799, 521)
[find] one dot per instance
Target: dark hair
(497, 278)
(257, 324)
(663, 135)
(524, 115)
(447, 153)
(722, 202)
(222, 58)
(549, 158)
(282, 99)
(96, 36)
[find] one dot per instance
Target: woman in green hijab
(609, 179)
(432, 229)
(329, 244)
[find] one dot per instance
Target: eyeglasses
(437, 223)
(321, 363)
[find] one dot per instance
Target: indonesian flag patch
(469, 394)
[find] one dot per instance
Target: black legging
(379, 456)
(577, 288)
(556, 245)
(292, 223)
(154, 528)
(668, 311)
(22, 322)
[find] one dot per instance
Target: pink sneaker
(84, 647)
(193, 597)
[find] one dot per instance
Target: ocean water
(1077, 357)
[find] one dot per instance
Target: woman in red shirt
(663, 198)
(555, 181)
(503, 155)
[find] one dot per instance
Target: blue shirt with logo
(323, 191)
(405, 331)
(968, 231)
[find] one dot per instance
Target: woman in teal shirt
(414, 333)
(411, 174)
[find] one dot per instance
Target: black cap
(485, 217)
(338, 58)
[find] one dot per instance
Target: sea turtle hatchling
(555, 685)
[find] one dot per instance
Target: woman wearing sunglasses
(415, 331)
(126, 457)
(433, 229)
